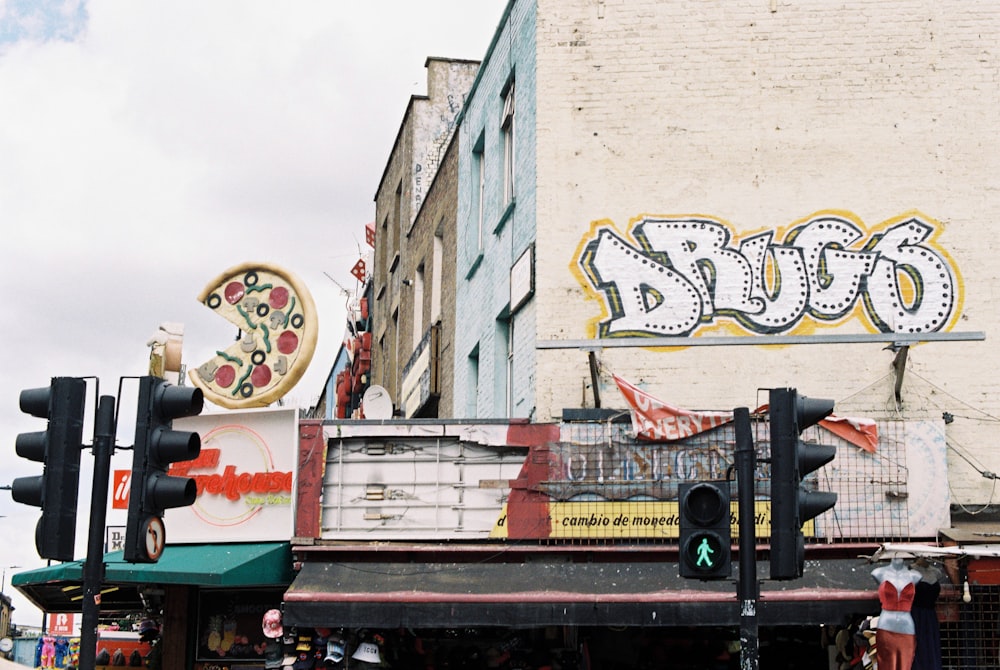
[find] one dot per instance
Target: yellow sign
(630, 520)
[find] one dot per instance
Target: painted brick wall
(483, 273)
(757, 120)
(424, 134)
(437, 220)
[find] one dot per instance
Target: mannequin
(896, 638)
(928, 631)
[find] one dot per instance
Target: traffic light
(58, 448)
(156, 446)
(791, 460)
(705, 532)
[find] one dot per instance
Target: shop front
(515, 545)
(227, 559)
(528, 608)
(206, 601)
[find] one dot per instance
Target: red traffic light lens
(706, 504)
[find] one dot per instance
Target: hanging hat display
(273, 654)
(367, 652)
(148, 630)
(335, 650)
(304, 660)
(272, 624)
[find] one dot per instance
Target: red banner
(655, 420)
(861, 433)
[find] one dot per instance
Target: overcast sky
(145, 147)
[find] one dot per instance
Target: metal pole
(748, 586)
(93, 568)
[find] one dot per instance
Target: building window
(503, 366)
(437, 271)
(398, 211)
(395, 367)
(418, 308)
(479, 190)
(507, 137)
(472, 388)
(505, 351)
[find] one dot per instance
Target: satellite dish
(376, 403)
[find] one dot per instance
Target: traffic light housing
(156, 446)
(59, 448)
(705, 530)
(791, 460)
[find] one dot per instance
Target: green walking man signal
(705, 554)
(705, 535)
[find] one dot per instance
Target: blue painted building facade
(494, 344)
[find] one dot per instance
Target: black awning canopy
(530, 594)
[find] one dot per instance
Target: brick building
(411, 258)
(738, 169)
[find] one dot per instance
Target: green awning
(57, 588)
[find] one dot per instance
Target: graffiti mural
(672, 276)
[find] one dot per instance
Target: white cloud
(40, 20)
(148, 149)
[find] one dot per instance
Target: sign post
(93, 567)
(748, 587)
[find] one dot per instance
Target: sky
(146, 147)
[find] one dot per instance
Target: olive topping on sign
(250, 278)
(214, 301)
(258, 357)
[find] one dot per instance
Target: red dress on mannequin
(895, 640)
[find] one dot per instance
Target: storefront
(228, 557)
(528, 606)
(207, 600)
(555, 590)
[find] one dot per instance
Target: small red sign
(120, 486)
(61, 623)
(359, 270)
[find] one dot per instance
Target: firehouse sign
(245, 476)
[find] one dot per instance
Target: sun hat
(272, 624)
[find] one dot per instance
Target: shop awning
(58, 588)
(429, 595)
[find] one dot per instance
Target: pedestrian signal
(705, 530)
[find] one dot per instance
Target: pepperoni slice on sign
(288, 342)
(225, 376)
(234, 292)
(278, 298)
(263, 301)
(261, 376)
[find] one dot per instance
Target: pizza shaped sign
(277, 318)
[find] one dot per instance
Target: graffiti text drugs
(684, 273)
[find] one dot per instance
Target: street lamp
(3, 580)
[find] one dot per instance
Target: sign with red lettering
(245, 476)
(121, 484)
(655, 420)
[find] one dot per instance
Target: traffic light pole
(93, 568)
(748, 586)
